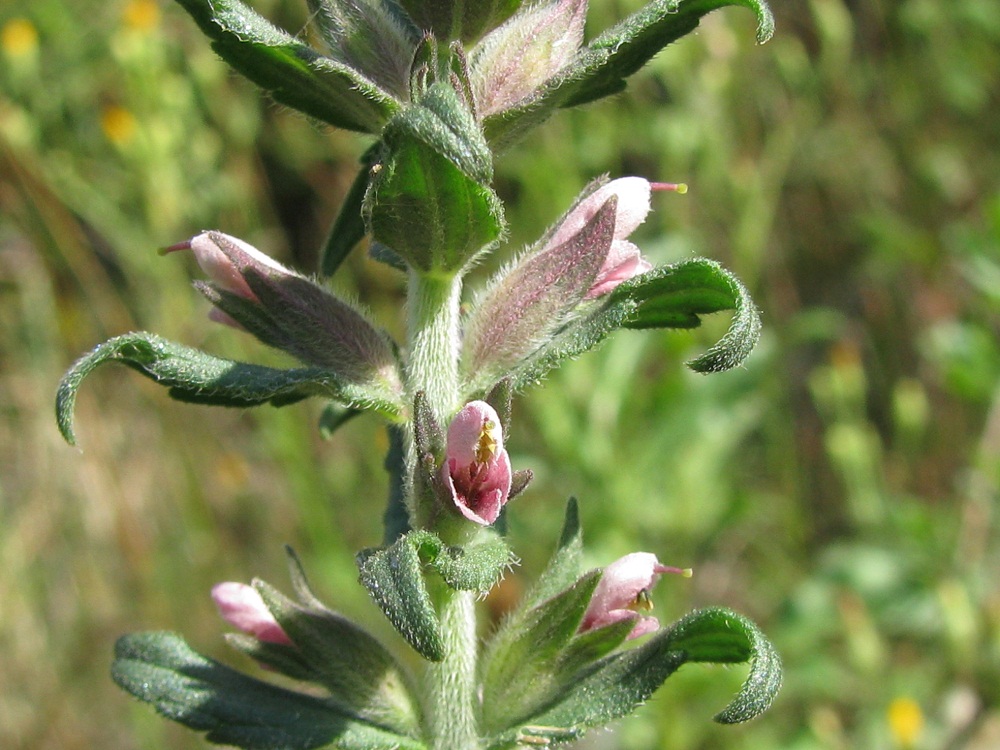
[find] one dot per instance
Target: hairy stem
(434, 340)
(450, 684)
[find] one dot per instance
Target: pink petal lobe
(243, 608)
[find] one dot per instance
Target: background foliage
(840, 489)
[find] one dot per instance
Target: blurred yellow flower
(906, 721)
(141, 15)
(118, 124)
(19, 37)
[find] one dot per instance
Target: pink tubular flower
(224, 260)
(623, 260)
(623, 589)
(476, 469)
(242, 607)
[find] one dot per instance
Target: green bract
(429, 198)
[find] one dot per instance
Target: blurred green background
(841, 488)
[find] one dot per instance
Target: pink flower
(476, 470)
(225, 259)
(623, 589)
(288, 311)
(242, 607)
(623, 259)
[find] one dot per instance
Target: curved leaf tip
(724, 637)
(765, 21)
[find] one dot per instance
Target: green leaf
(295, 74)
(429, 199)
(618, 684)
(623, 49)
(234, 709)
(353, 666)
(476, 566)
(721, 636)
(668, 297)
(197, 377)
(563, 568)
(603, 65)
(520, 666)
(394, 577)
(396, 519)
(675, 297)
(349, 226)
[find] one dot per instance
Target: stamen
(674, 187)
(685, 572)
(186, 245)
(642, 601)
(487, 447)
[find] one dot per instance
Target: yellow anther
(488, 442)
(642, 601)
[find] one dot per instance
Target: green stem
(434, 340)
(434, 345)
(450, 684)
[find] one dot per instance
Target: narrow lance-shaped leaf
(675, 297)
(519, 666)
(394, 577)
(668, 297)
(564, 566)
(197, 377)
(619, 683)
(295, 74)
(234, 709)
(349, 227)
(623, 49)
(351, 664)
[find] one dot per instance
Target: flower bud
(225, 259)
(243, 608)
(290, 312)
(623, 259)
(515, 60)
(624, 590)
(476, 470)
